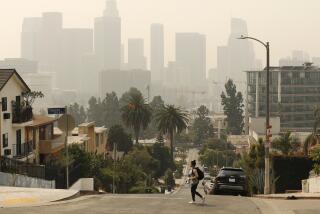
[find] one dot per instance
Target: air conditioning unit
(6, 116)
(7, 152)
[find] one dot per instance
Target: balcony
(21, 113)
(51, 146)
(23, 150)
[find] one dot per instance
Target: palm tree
(313, 139)
(286, 143)
(136, 114)
(170, 120)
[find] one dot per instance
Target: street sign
(66, 123)
(56, 110)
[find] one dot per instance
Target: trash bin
(169, 188)
(163, 189)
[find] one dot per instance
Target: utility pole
(268, 126)
(114, 167)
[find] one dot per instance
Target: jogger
(194, 180)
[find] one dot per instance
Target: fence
(18, 167)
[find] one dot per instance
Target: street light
(267, 144)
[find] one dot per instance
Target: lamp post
(267, 144)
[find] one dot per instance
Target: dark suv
(231, 181)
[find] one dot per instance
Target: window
(5, 140)
(4, 104)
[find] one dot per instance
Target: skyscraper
(136, 58)
(191, 58)
(241, 53)
(237, 56)
(30, 38)
(107, 37)
(157, 53)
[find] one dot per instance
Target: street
(175, 203)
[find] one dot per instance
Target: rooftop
(304, 67)
(39, 120)
(6, 74)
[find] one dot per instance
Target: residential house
(93, 139)
(15, 116)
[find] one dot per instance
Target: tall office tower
(107, 37)
(41, 40)
(191, 58)
(50, 41)
(30, 38)
(157, 53)
(241, 53)
(76, 44)
(316, 61)
(222, 64)
(136, 58)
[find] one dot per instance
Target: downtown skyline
(214, 23)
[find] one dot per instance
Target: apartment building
(294, 95)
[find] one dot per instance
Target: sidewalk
(291, 196)
(20, 197)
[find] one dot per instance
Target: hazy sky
(287, 24)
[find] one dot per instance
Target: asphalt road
(144, 204)
(171, 204)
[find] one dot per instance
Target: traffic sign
(56, 110)
(66, 123)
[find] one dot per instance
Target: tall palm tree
(136, 114)
(313, 138)
(171, 119)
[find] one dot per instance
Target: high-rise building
(24, 66)
(76, 43)
(294, 95)
(107, 37)
(297, 58)
(136, 58)
(157, 53)
(30, 38)
(41, 40)
(120, 81)
(237, 56)
(191, 58)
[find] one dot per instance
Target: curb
(289, 197)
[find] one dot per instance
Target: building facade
(294, 95)
(136, 58)
(191, 58)
(107, 37)
(157, 53)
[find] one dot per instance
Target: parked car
(231, 181)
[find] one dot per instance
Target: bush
(143, 190)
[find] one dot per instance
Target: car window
(231, 172)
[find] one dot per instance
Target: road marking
(144, 197)
(16, 201)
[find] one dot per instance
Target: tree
(152, 130)
(118, 136)
(136, 114)
(313, 138)
(286, 143)
(30, 96)
(315, 155)
(162, 154)
(170, 120)
(127, 96)
(95, 111)
(77, 112)
(232, 102)
(202, 126)
(111, 109)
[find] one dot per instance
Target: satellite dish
(66, 123)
